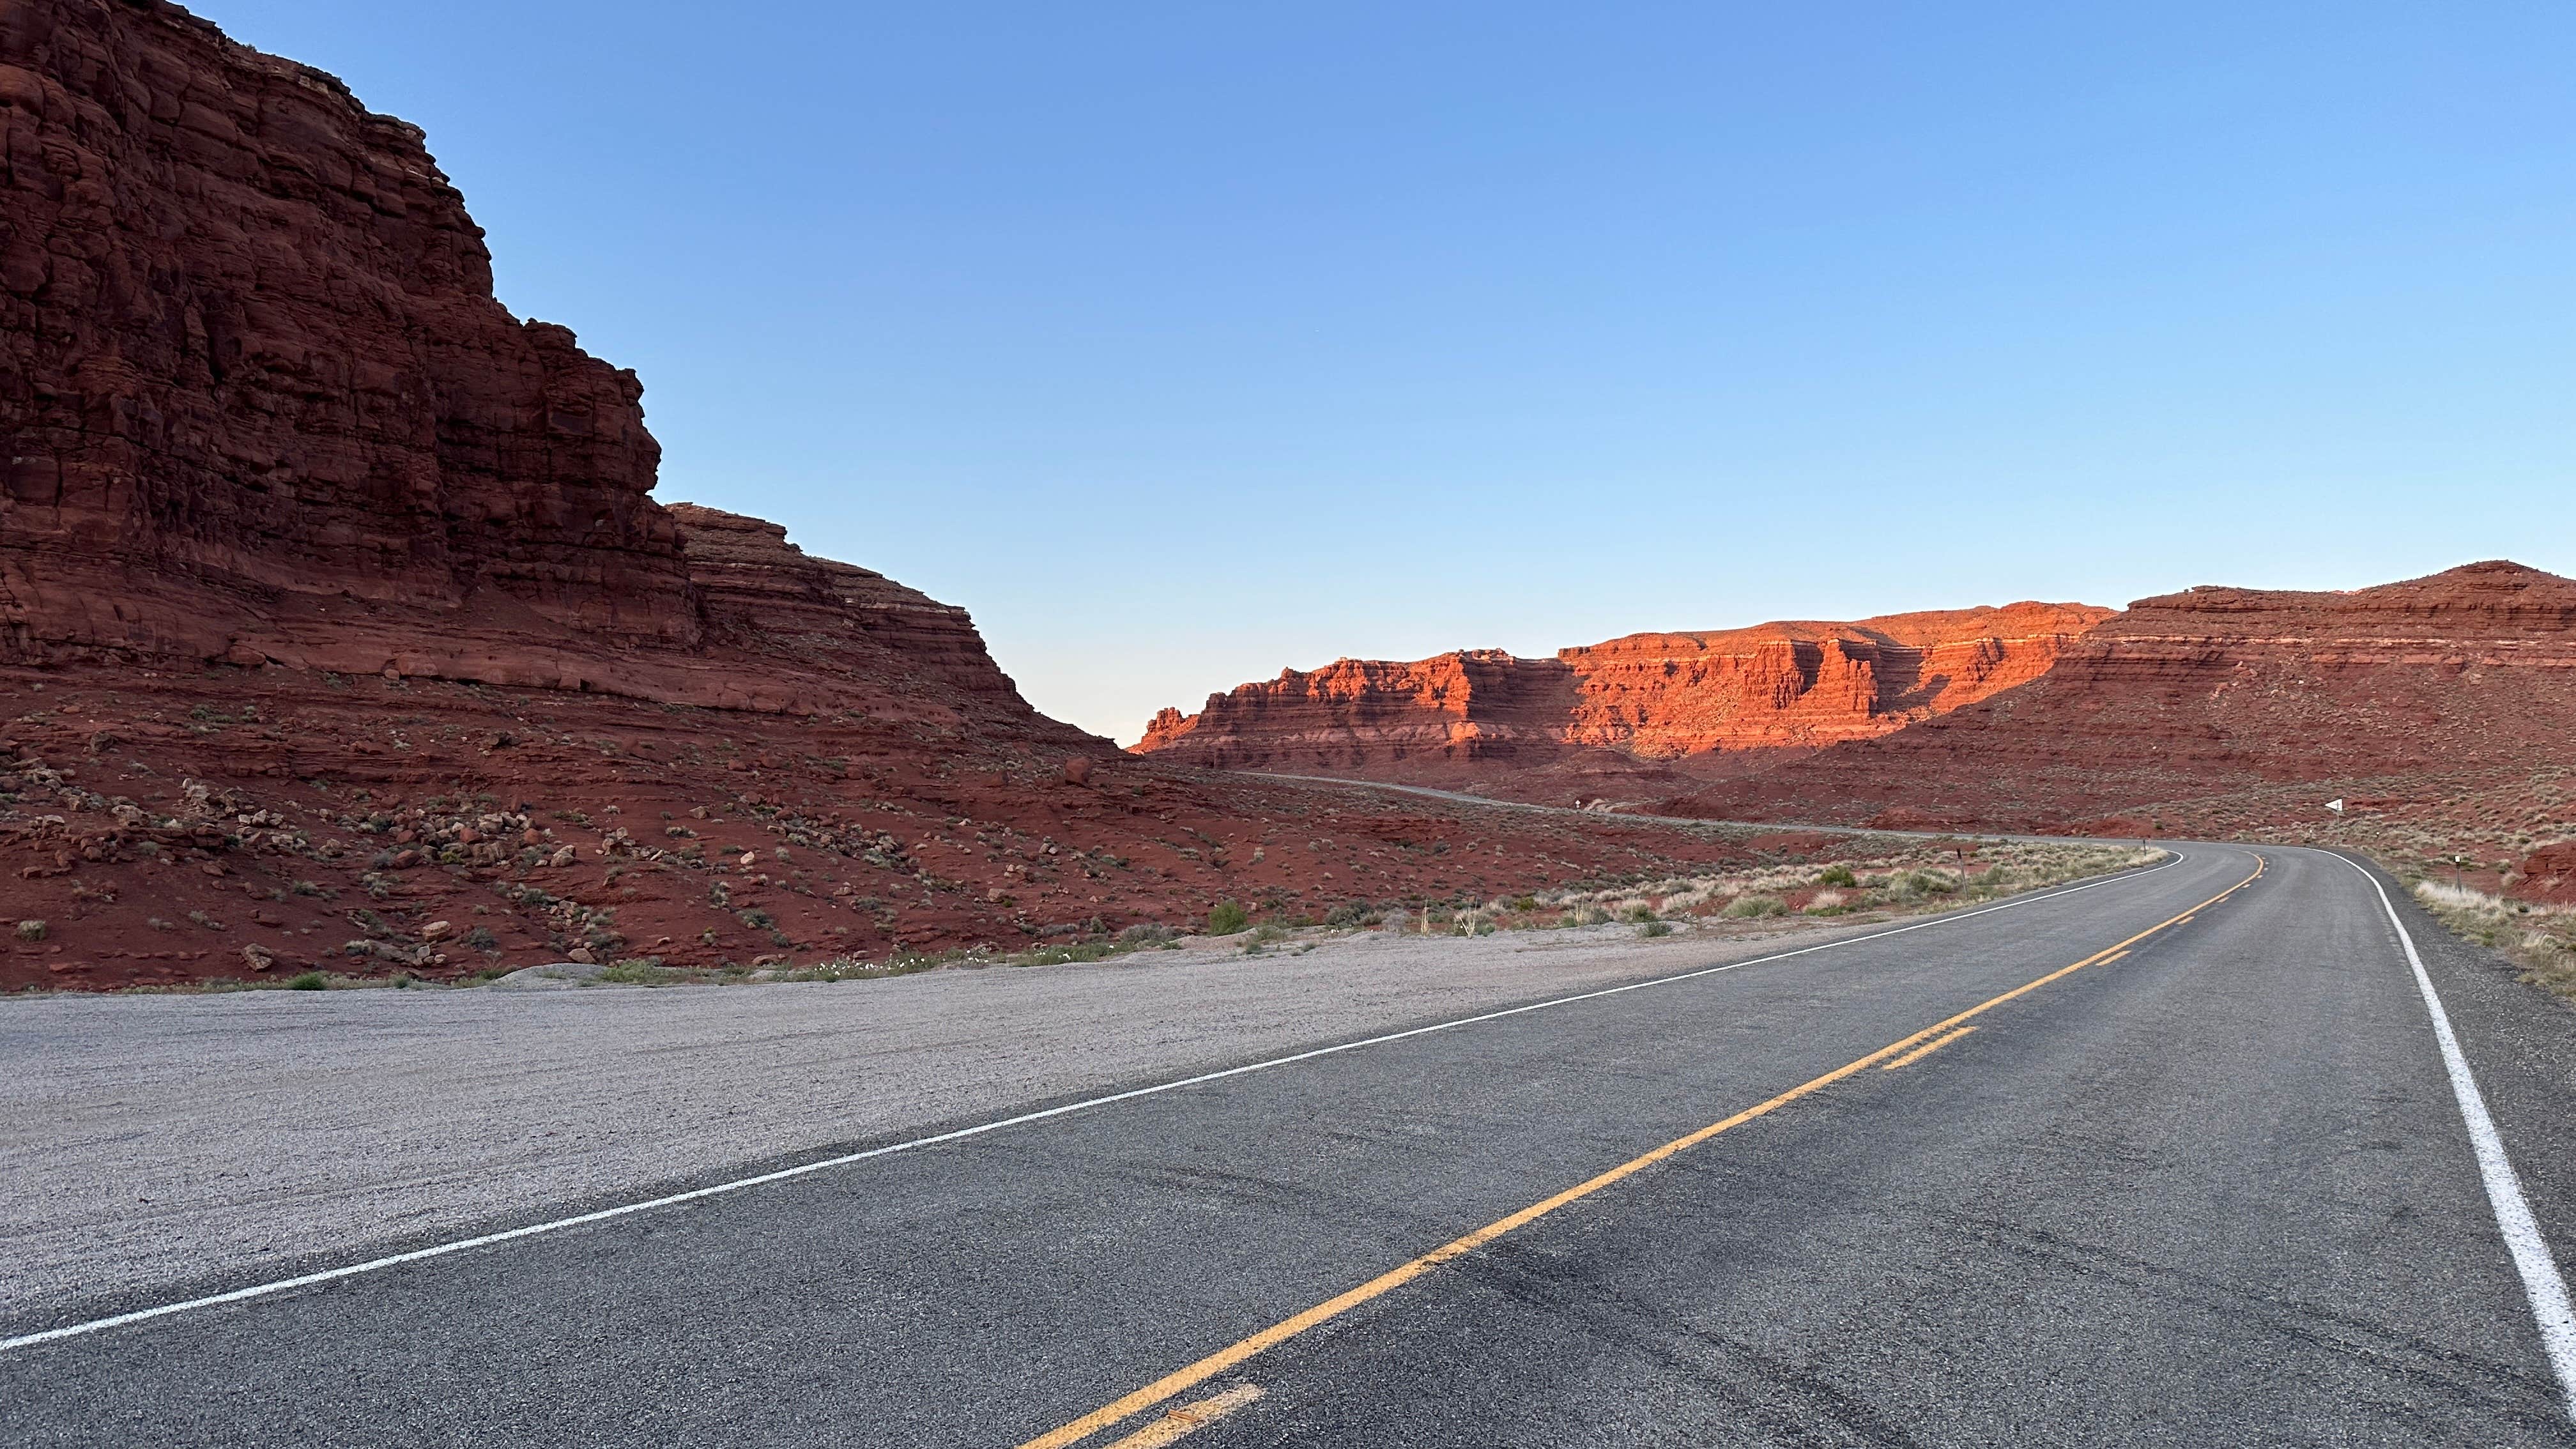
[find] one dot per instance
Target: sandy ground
(156, 1141)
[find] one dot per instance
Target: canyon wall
(262, 407)
(1643, 698)
(2225, 708)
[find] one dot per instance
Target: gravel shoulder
(158, 1141)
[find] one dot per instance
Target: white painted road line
(2531, 1257)
(485, 1240)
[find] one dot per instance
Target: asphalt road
(2214, 1190)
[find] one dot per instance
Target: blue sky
(1184, 343)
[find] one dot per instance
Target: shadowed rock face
(1656, 697)
(261, 406)
(252, 349)
(763, 599)
(2412, 689)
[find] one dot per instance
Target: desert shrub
(1227, 919)
(1838, 875)
(1754, 907)
(1145, 933)
(1347, 914)
(1652, 929)
(309, 981)
(31, 930)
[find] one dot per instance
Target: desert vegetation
(1894, 876)
(1882, 877)
(2540, 939)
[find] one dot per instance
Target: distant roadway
(2175, 1158)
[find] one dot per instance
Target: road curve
(2210, 1185)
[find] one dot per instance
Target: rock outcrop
(1648, 697)
(262, 406)
(2223, 707)
(251, 349)
(816, 626)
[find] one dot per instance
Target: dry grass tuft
(2539, 939)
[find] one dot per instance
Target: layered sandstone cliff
(1646, 697)
(261, 406)
(2415, 689)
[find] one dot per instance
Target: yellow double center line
(1181, 1381)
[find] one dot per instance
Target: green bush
(1749, 907)
(1838, 875)
(1655, 928)
(309, 981)
(1227, 919)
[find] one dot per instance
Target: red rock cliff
(261, 405)
(2420, 686)
(1651, 696)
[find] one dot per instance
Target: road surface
(2175, 1159)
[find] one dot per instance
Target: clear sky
(1183, 343)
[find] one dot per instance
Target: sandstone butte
(339, 627)
(1485, 715)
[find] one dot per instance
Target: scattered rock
(553, 975)
(2547, 875)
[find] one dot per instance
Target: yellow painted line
(1189, 1418)
(2114, 956)
(1927, 1049)
(1182, 1380)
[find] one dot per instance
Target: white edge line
(2522, 1237)
(440, 1250)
